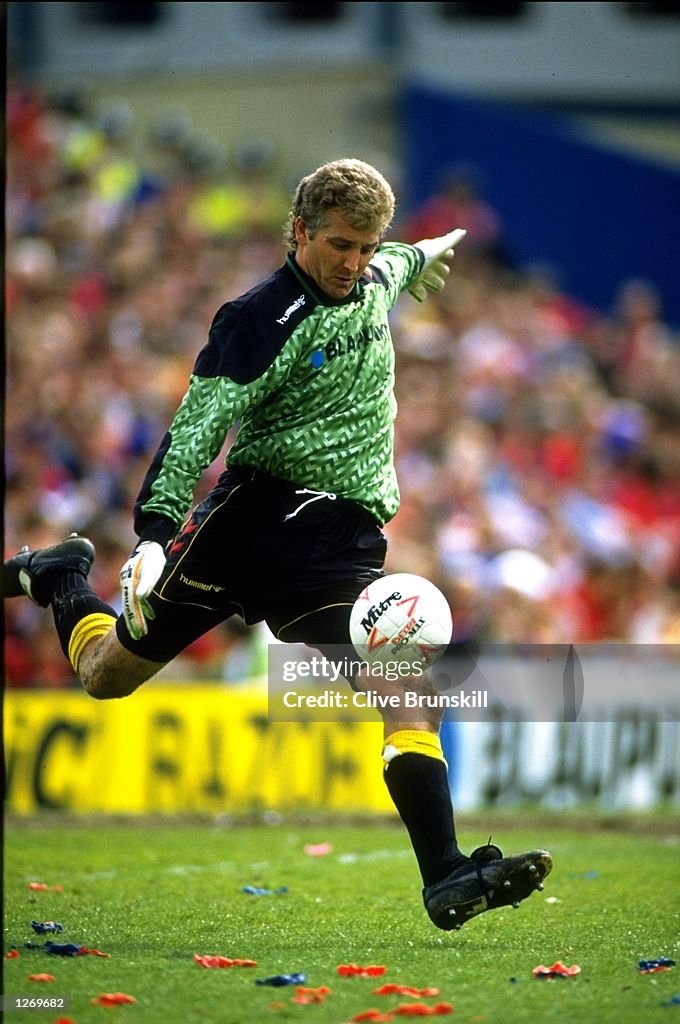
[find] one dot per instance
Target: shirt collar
(320, 296)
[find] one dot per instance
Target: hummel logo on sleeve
(300, 301)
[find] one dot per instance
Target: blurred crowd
(537, 441)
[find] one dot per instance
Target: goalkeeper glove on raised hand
(438, 253)
(138, 577)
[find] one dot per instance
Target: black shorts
(268, 550)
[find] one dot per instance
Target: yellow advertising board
(183, 748)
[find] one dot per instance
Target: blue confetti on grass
(279, 980)
(46, 927)
(252, 890)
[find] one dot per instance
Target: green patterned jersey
(310, 383)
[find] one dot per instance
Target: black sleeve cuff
(154, 527)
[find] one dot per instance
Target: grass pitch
(153, 894)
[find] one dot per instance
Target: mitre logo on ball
(401, 617)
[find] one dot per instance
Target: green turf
(153, 895)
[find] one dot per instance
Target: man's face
(336, 256)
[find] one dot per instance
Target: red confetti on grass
(64, 1020)
(375, 1015)
(43, 887)
(404, 990)
(305, 996)
(355, 970)
(223, 961)
(41, 977)
(406, 1010)
(12, 955)
(113, 999)
(558, 970)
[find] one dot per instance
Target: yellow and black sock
(416, 776)
(93, 626)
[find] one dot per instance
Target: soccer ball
(401, 618)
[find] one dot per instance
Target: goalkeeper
(291, 532)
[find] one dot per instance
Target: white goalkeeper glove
(138, 577)
(438, 253)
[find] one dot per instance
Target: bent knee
(411, 703)
(102, 685)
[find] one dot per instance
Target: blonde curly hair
(360, 192)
